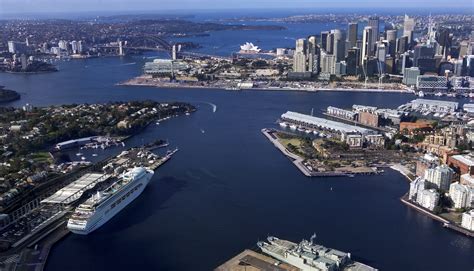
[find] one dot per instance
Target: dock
(249, 260)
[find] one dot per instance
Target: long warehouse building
(320, 123)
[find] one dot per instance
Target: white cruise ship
(104, 205)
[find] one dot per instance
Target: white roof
(75, 188)
(435, 102)
(324, 123)
(464, 159)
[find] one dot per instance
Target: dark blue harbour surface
(228, 187)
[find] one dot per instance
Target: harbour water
(228, 187)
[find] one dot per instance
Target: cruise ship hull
(111, 207)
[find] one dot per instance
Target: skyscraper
(330, 43)
(299, 58)
(367, 47)
(408, 28)
(374, 22)
(353, 61)
(313, 54)
(402, 44)
(392, 42)
(352, 35)
(324, 38)
(339, 45)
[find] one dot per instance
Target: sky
(70, 6)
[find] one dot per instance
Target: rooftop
(74, 190)
(467, 160)
(325, 124)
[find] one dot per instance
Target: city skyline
(54, 6)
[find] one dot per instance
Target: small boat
(187, 114)
(284, 125)
(308, 131)
(315, 133)
(202, 131)
(78, 154)
(94, 155)
(293, 127)
(83, 158)
(421, 94)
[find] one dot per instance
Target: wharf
(353, 122)
(249, 260)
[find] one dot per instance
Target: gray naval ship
(309, 256)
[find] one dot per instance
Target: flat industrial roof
(75, 188)
(324, 123)
(465, 160)
(435, 102)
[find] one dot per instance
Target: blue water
(229, 187)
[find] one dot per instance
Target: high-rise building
(80, 47)
(16, 47)
(313, 55)
(439, 177)
(402, 45)
(467, 221)
(421, 52)
(62, 44)
(74, 47)
(352, 30)
(410, 75)
(299, 58)
(392, 42)
(339, 45)
(428, 198)
(416, 187)
(328, 63)
(408, 28)
(330, 43)
(367, 47)
(374, 22)
(381, 56)
(353, 61)
(459, 194)
(324, 38)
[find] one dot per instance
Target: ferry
(104, 205)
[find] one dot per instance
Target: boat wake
(127, 64)
(213, 106)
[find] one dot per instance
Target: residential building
(459, 194)
(428, 198)
(439, 177)
(467, 221)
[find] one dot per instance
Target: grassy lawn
(41, 157)
(457, 217)
(293, 141)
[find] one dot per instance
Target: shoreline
(446, 223)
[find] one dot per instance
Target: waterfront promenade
(145, 81)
